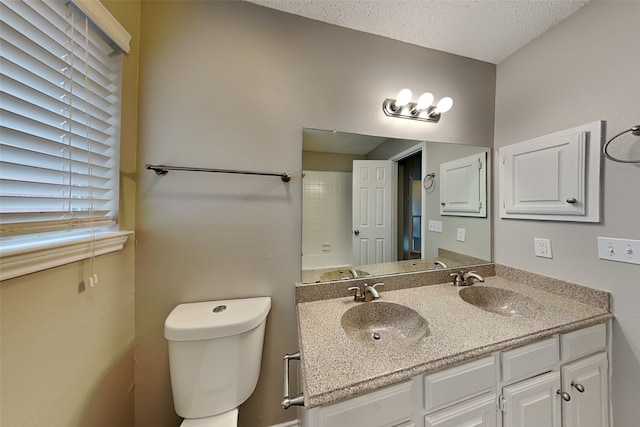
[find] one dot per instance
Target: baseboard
(294, 423)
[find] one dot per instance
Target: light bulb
(403, 98)
(425, 101)
(444, 105)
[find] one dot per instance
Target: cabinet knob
(356, 232)
(442, 203)
(565, 396)
(571, 200)
(577, 386)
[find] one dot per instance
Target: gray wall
(585, 69)
(231, 85)
(477, 229)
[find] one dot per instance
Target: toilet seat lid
(227, 419)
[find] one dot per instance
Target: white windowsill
(29, 258)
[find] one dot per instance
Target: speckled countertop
(335, 368)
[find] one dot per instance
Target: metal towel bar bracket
(164, 169)
(286, 400)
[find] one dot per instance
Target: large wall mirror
(374, 205)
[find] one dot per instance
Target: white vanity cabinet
(477, 412)
(560, 381)
(532, 403)
(574, 393)
(392, 406)
(464, 395)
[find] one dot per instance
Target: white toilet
(215, 350)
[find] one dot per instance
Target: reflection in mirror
(372, 206)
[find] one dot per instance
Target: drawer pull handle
(578, 386)
(286, 400)
(571, 200)
(565, 396)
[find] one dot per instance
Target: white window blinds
(59, 119)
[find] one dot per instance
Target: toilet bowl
(215, 351)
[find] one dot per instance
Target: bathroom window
(60, 83)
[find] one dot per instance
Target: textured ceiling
(487, 30)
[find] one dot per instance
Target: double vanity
(518, 349)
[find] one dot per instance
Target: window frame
(37, 248)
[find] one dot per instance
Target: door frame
(420, 147)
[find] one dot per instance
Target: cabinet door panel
(589, 408)
(463, 186)
(541, 176)
(533, 403)
(479, 412)
(554, 177)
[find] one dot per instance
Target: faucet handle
(358, 295)
(457, 278)
(377, 284)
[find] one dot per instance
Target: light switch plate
(461, 234)
(542, 247)
(621, 250)
(435, 226)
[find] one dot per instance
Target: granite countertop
(335, 368)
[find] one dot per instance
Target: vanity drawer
(458, 383)
(479, 411)
(383, 407)
(583, 342)
(529, 360)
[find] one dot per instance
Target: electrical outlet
(542, 247)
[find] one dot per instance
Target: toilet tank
(215, 351)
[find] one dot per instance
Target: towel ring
(429, 181)
(634, 130)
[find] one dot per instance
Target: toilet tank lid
(215, 319)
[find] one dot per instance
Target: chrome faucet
(440, 264)
(360, 296)
(353, 272)
(458, 279)
(466, 279)
(471, 276)
(372, 291)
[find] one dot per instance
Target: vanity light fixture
(422, 110)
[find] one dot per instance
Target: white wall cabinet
(463, 186)
(555, 177)
(534, 382)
